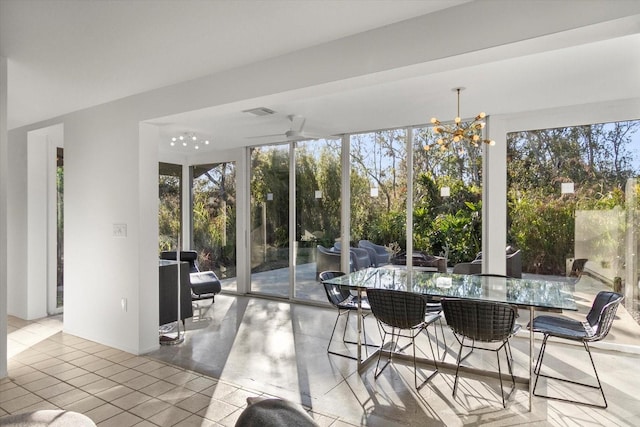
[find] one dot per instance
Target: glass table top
(538, 293)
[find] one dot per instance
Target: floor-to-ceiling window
(169, 208)
(213, 208)
(318, 206)
(269, 219)
(447, 198)
(573, 203)
(378, 181)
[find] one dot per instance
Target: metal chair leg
(458, 361)
(538, 368)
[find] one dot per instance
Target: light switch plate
(119, 230)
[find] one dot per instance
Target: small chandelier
(459, 132)
(186, 139)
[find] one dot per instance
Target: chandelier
(451, 134)
(186, 139)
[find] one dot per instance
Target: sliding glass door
(318, 175)
(269, 220)
(213, 207)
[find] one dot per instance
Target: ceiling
(64, 56)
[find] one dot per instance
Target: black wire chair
(341, 298)
(595, 328)
(482, 322)
(401, 314)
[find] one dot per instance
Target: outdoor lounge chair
(378, 253)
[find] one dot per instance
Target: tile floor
(243, 346)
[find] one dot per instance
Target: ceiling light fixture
(459, 132)
(188, 138)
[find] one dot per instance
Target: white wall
(37, 239)
(103, 162)
(147, 225)
(3, 216)
(17, 215)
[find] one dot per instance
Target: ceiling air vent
(260, 111)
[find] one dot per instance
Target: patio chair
(359, 256)
(484, 322)
(341, 298)
(401, 314)
(513, 258)
(378, 253)
(595, 328)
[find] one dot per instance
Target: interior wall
(103, 220)
(17, 215)
(148, 275)
(3, 216)
(37, 236)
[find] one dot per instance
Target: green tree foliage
(379, 161)
(214, 217)
(168, 209)
(597, 158)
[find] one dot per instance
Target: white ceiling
(67, 55)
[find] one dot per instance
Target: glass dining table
(531, 294)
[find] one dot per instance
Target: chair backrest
(327, 275)
(369, 244)
(603, 312)
(398, 309)
(336, 294)
(485, 321)
(189, 256)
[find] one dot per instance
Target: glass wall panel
(213, 189)
(572, 204)
(269, 224)
(60, 226)
(447, 199)
(318, 204)
(378, 190)
(169, 209)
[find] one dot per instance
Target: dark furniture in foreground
(484, 322)
(401, 314)
(204, 284)
(595, 328)
(264, 412)
(168, 292)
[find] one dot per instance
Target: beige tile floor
(241, 346)
(52, 370)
